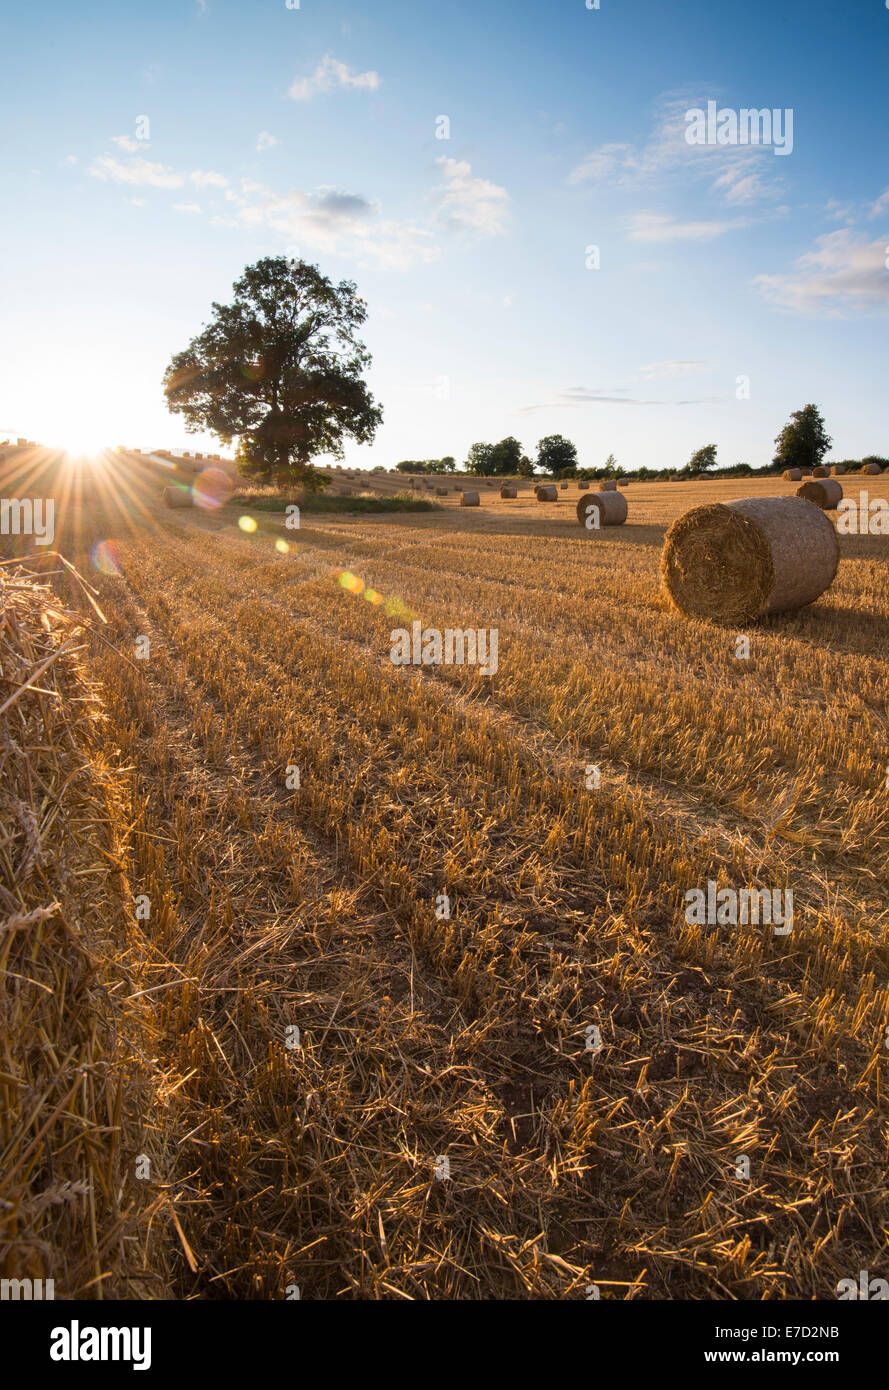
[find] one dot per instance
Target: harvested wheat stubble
(67, 1107)
(608, 485)
(508, 490)
(821, 471)
(871, 468)
(826, 493)
(739, 560)
(546, 492)
(469, 499)
(792, 475)
(176, 497)
(610, 507)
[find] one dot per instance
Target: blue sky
(313, 131)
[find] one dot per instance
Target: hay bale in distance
(441, 492)
(838, 470)
(583, 486)
(792, 475)
(546, 492)
(469, 499)
(563, 487)
(871, 468)
(608, 485)
(176, 497)
(820, 471)
(611, 509)
(735, 561)
(508, 490)
(826, 493)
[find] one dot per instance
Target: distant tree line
(802, 443)
(443, 465)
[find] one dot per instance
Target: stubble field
(593, 1068)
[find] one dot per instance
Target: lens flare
(106, 557)
(211, 489)
(248, 523)
(282, 546)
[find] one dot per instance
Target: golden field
(421, 1037)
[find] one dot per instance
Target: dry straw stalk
(68, 1106)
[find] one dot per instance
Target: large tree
(557, 456)
(505, 457)
(478, 460)
(701, 460)
(281, 368)
(804, 441)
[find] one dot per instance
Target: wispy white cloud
(738, 173)
(187, 207)
(135, 171)
(469, 203)
(844, 274)
(266, 141)
(337, 223)
(671, 369)
(206, 178)
(330, 74)
(881, 204)
(128, 143)
(660, 226)
(602, 163)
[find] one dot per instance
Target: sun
(80, 446)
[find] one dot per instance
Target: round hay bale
(563, 487)
(508, 490)
(546, 492)
(735, 561)
(441, 492)
(838, 470)
(610, 507)
(871, 468)
(583, 487)
(608, 485)
(176, 497)
(820, 471)
(792, 475)
(469, 499)
(824, 492)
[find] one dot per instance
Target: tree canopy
(804, 441)
(280, 368)
(701, 460)
(557, 456)
(442, 465)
